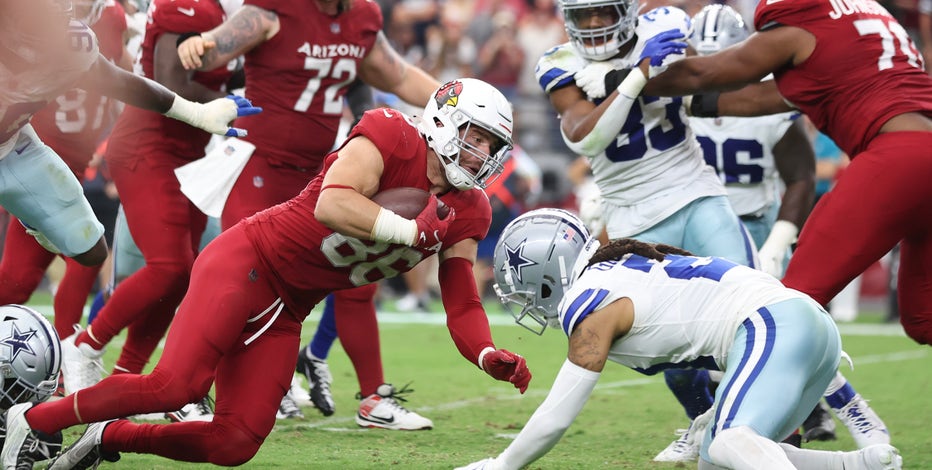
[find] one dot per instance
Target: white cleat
(201, 410)
(288, 408)
(862, 422)
(81, 365)
(686, 448)
(382, 410)
(86, 452)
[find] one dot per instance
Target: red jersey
(310, 261)
(137, 131)
(300, 76)
(864, 69)
(77, 120)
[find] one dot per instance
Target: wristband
(482, 354)
(705, 105)
(184, 37)
(393, 228)
(182, 109)
(632, 85)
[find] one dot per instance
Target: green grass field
(627, 421)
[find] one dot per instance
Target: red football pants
(167, 228)
(231, 322)
(262, 185)
(884, 197)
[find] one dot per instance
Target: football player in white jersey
(651, 307)
(655, 184)
(44, 53)
(752, 155)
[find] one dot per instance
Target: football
(408, 202)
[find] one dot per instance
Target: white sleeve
(570, 391)
(609, 125)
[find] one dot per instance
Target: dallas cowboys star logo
(516, 260)
(18, 341)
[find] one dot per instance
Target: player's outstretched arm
(588, 351)
(247, 28)
(214, 117)
(467, 321)
(736, 66)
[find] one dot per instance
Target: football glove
(657, 48)
(772, 253)
(214, 116)
(506, 366)
(430, 227)
(599, 79)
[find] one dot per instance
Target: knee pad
(231, 446)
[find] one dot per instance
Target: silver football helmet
(454, 107)
(537, 258)
(604, 42)
(716, 27)
(30, 356)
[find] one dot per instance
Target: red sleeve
(387, 129)
(183, 16)
(473, 216)
(466, 319)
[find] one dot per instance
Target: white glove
(484, 464)
(773, 253)
(591, 79)
(215, 116)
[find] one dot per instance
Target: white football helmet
(88, 11)
(716, 27)
(537, 258)
(600, 43)
(454, 107)
(30, 356)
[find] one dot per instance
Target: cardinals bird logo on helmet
(449, 94)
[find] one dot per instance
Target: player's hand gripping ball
(408, 202)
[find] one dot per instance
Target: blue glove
(244, 107)
(659, 47)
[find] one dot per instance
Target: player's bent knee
(921, 333)
(233, 447)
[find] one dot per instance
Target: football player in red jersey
(43, 53)
(143, 151)
(879, 111)
(253, 286)
(73, 124)
(301, 59)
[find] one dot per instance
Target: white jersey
(686, 309)
(30, 80)
(741, 151)
(654, 167)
